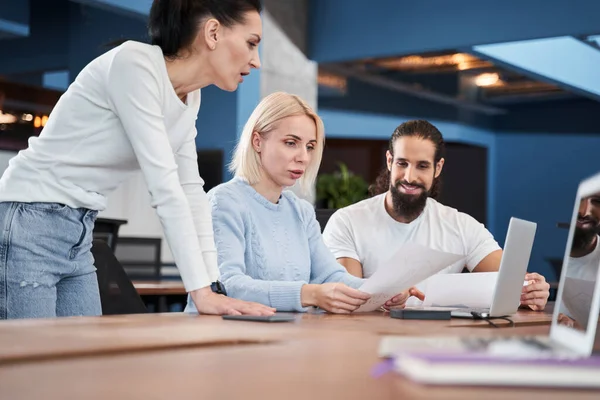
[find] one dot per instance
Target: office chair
(117, 293)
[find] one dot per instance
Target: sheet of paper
(577, 297)
(473, 290)
(410, 264)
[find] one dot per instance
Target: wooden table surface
(75, 336)
(159, 288)
(184, 356)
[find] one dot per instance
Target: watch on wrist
(218, 288)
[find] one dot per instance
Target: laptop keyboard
(503, 346)
(484, 342)
(520, 347)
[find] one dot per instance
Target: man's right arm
(354, 267)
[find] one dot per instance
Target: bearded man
(364, 235)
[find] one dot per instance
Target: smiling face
(234, 50)
(287, 150)
(412, 173)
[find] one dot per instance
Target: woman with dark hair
(132, 108)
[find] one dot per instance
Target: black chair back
(117, 293)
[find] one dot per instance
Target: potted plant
(337, 190)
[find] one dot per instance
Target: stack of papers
(474, 290)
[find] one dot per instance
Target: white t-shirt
(120, 115)
(366, 232)
(585, 267)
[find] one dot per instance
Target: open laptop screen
(580, 268)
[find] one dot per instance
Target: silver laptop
(513, 267)
(574, 321)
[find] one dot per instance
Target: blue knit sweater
(266, 251)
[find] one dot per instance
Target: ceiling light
(460, 61)
(487, 79)
(7, 118)
(331, 80)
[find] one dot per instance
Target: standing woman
(132, 108)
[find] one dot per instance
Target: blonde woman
(268, 241)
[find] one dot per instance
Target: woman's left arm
(193, 186)
(324, 267)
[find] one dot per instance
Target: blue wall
(216, 124)
(223, 114)
(46, 46)
(91, 29)
(15, 11)
(536, 179)
(342, 30)
(14, 19)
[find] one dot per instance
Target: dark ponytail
(173, 24)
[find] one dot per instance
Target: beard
(405, 205)
(583, 238)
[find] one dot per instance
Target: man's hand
(399, 301)
(333, 297)
(569, 322)
(535, 294)
(208, 302)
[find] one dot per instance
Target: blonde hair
(271, 109)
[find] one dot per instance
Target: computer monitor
(575, 317)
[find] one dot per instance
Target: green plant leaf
(341, 188)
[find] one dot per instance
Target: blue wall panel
(222, 117)
(536, 179)
(91, 29)
(45, 48)
(14, 19)
(344, 30)
(216, 123)
(15, 11)
(132, 8)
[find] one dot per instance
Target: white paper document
(410, 264)
(474, 290)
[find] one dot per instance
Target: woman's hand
(208, 302)
(333, 297)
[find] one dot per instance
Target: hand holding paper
(399, 301)
(411, 264)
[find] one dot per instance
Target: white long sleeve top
(122, 114)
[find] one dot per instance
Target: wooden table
(176, 355)
(28, 340)
(161, 293)
(159, 288)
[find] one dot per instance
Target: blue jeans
(46, 264)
